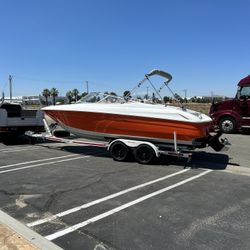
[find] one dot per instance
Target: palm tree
(54, 93)
(75, 93)
(69, 95)
(46, 94)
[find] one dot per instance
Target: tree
(178, 97)
(54, 93)
(75, 93)
(153, 98)
(46, 94)
(166, 99)
(126, 93)
(69, 95)
(84, 94)
(113, 93)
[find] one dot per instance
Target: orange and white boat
(112, 117)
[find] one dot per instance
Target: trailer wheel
(119, 151)
(144, 154)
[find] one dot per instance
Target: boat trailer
(120, 149)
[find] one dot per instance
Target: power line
(57, 81)
(45, 80)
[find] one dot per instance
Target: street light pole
(87, 85)
(10, 83)
(185, 94)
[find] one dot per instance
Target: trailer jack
(218, 144)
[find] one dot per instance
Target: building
(35, 100)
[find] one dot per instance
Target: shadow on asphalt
(13, 139)
(199, 159)
(207, 160)
(246, 132)
(95, 151)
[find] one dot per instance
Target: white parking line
(92, 203)
(18, 149)
(13, 148)
(120, 208)
(42, 164)
(28, 162)
(10, 147)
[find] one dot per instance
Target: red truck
(234, 114)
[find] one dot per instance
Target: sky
(112, 44)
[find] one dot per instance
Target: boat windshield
(133, 95)
(98, 97)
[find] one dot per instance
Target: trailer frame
(144, 152)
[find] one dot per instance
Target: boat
(106, 118)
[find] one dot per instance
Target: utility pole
(147, 93)
(185, 94)
(87, 85)
(10, 83)
(212, 96)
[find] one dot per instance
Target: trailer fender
(134, 144)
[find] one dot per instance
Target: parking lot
(79, 198)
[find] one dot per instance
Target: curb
(15, 233)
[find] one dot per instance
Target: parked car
(233, 114)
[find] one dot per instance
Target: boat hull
(104, 126)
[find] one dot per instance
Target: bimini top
(160, 73)
(245, 81)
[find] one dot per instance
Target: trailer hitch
(218, 144)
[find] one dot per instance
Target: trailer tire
(144, 154)
(119, 151)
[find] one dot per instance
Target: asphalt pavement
(79, 198)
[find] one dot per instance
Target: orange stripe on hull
(129, 125)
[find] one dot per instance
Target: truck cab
(234, 114)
